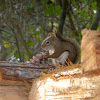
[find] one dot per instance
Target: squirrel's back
(63, 48)
(70, 45)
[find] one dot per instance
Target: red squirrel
(60, 49)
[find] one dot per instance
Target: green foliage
(0, 1)
(30, 43)
(50, 9)
(26, 57)
(11, 52)
(31, 28)
(7, 44)
(16, 54)
(30, 6)
(93, 5)
(53, 1)
(44, 3)
(58, 9)
(24, 15)
(80, 36)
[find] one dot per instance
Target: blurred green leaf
(44, 3)
(80, 36)
(31, 28)
(53, 1)
(44, 72)
(26, 57)
(11, 52)
(16, 54)
(7, 44)
(22, 53)
(50, 9)
(19, 43)
(37, 33)
(30, 5)
(58, 9)
(30, 43)
(94, 7)
(0, 1)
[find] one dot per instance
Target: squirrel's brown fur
(60, 45)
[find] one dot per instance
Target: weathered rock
(68, 87)
(90, 50)
(13, 93)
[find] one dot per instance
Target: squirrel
(60, 49)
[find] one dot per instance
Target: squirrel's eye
(47, 42)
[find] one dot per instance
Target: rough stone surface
(12, 93)
(90, 50)
(67, 87)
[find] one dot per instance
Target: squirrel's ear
(54, 30)
(51, 34)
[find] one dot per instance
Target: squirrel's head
(49, 42)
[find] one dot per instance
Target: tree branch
(17, 46)
(75, 16)
(40, 15)
(23, 41)
(63, 16)
(72, 24)
(97, 17)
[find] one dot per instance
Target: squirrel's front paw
(46, 56)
